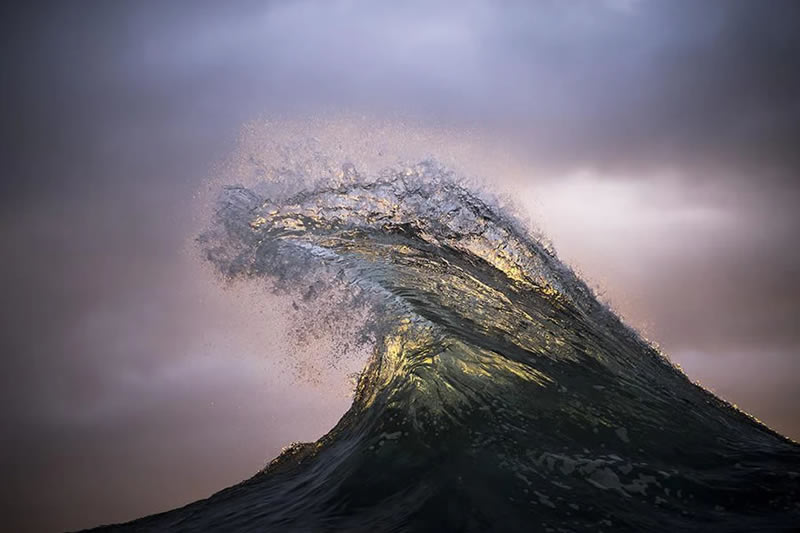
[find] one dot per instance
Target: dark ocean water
(501, 395)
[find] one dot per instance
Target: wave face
(501, 395)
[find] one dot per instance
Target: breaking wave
(500, 395)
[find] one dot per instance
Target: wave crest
(500, 392)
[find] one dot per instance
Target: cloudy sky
(655, 142)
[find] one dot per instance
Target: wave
(501, 395)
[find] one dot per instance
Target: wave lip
(501, 395)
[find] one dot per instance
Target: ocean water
(501, 395)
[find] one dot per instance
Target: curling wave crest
(500, 396)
